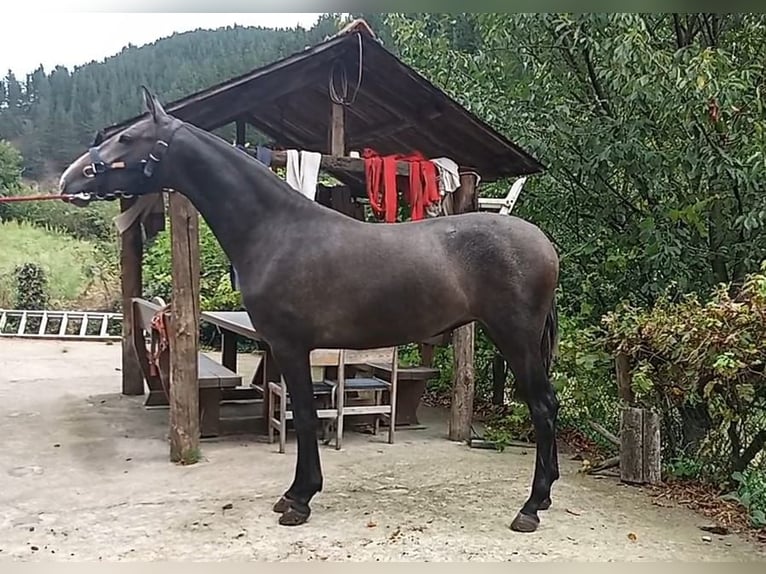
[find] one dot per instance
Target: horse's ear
(153, 105)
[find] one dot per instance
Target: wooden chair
(279, 411)
(376, 385)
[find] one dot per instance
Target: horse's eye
(124, 138)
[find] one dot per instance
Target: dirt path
(85, 476)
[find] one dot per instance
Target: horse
(400, 282)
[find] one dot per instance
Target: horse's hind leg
(294, 504)
(524, 356)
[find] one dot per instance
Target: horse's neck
(242, 201)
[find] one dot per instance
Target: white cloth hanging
(449, 175)
(303, 171)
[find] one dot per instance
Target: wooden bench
(213, 378)
(411, 387)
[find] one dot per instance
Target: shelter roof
(394, 110)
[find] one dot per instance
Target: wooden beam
(241, 127)
(465, 199)
(131, 256)
(331, 162)
(184, 392)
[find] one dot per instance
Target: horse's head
(126, 163)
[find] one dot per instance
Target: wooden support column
(184, 334)
(337, 135)
(131, 258)
(465, 199)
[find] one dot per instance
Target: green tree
(652, 127)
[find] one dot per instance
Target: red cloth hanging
(380, 171)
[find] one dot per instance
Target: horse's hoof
(525, 523)
(293, 517)
(545, 504)
(282, 505)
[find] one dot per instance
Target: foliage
(10, 167)
(215, 286)
(584, 381)
(31, 287)
(511, 424)
(652, 127)
(69, 264)
(10, 173)
(750, 492)
(701, 365)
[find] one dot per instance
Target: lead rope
(16, 198)
(342, 99)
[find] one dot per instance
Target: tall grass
(69, 263)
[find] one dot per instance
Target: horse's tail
(550, 340)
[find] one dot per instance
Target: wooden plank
(229, 349)
(3, 319)
(64, 325)
(184, 391)
(104, 325)
(84, 325)
(652, 447)
(224, 377)
(131, 256)
(405, 373)
(631, 446)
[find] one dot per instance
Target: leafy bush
(701, 365)
(750, 492)
(31, 287)
(215, 286)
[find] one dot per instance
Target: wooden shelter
(343, 95)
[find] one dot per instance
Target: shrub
(31, 287)
(701, 366)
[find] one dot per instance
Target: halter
(98, 167)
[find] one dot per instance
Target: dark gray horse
(314, 278)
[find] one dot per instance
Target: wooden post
(463, 339)
(640, 446)
(631, 446)
(652, 451)
(463, 387)
(337, 132)
(131, 257)
(184, 334)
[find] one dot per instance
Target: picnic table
(235, 324)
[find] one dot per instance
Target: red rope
(32, 198)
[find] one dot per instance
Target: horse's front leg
(294, 504)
